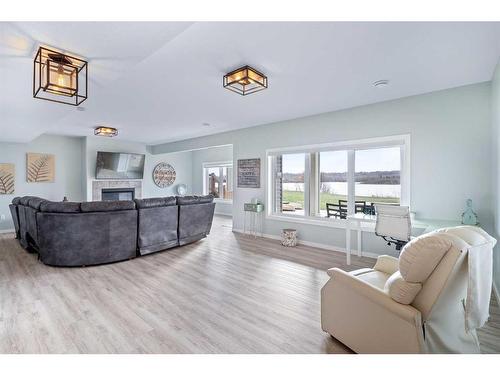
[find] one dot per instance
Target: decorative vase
(289, 237)
(469, 217)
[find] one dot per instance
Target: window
(334, 180)
(292, 176)
(377, 176)
(213, 183)
(218, 180)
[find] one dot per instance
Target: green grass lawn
(298, 197)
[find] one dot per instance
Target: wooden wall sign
(249, 173)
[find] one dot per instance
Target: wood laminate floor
(225, 294)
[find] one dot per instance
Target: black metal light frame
(106, 131)
(45, 93)
(233, 86)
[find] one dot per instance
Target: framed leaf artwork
(7, 178)
(40, 167)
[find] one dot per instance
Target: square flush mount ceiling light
(245, 80)
(105, 131)
(60, 78)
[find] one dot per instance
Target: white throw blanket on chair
(477, 306)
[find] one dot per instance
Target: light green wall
(181, 162)
(68, 153)
(495, 116)
(183, 165)
(451, 153)
(211, 155)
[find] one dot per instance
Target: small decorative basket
(289, 237)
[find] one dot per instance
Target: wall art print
(7, 178)
(40, 167)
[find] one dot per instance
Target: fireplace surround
(99, 185)
(118, 194)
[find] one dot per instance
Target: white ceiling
(159, 82)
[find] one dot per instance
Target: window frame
(220, 165)
(402, 141)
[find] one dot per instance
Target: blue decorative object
(469, 217)
(181, 189)
(254, 207)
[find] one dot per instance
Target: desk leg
(261, 218)
(254, 225)
(348, 242)
(359, 239)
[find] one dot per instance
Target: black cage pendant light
(59, 77)
(245, 80)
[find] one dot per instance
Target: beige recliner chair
(430, 300)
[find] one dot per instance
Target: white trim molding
(311, 244)
(223, 214)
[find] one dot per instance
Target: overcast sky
(381, 159)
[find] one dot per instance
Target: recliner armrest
(387, 264)
(365, 290)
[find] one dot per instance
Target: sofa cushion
(387, 264)
(421, 255)
(36, 202)
(374, 278)
(155, 202)
(400, 290)
(194, 199)
(25, 200)
(16, 200)
(76, 239)
(63, 207)
(102, 206)
(157, 228)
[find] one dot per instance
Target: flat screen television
(119, 166)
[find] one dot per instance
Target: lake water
(365, 190)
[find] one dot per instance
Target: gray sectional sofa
(91, 233)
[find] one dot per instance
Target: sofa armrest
(387, 264)
(375, 295)
(366, 319)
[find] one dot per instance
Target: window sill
(319, 221)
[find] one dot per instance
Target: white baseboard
(316, 244)
(4, 231)
(223, 214)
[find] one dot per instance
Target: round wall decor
(163, 175)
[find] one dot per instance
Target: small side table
(256, 213)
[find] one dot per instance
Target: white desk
(366, 223)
